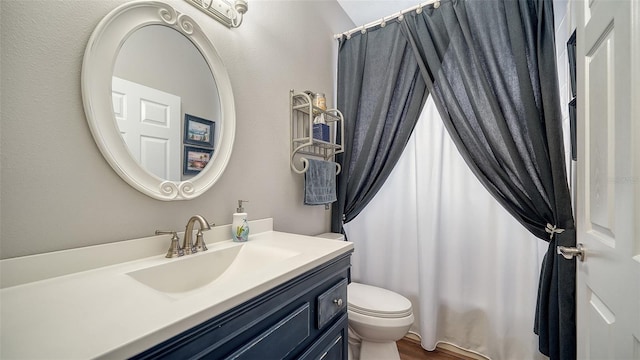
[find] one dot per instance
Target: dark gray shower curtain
(381, 94)
(490, 66)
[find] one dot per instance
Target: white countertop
(104, 312)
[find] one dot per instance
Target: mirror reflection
(166, 103)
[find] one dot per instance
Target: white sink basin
(191, 272)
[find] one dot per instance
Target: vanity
(304, 318)
(279, 296)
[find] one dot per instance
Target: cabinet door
(332, 345)
(279, 340)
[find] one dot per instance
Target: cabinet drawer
(331, 303)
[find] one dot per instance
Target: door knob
(571, 252)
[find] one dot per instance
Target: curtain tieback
(552, 229)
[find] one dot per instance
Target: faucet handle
(174, 248)
(200, 244)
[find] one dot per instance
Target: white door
(608, 192)
(150, 124)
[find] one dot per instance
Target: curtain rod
(382, 22)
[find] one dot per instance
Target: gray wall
(57, 192)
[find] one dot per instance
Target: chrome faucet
(187, 246)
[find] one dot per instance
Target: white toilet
(377, 319)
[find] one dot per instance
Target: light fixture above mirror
(228, 13)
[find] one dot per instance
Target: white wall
(57, 192)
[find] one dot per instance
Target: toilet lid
(375, 301)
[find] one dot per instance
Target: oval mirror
(158, 100)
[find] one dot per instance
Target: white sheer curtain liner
(435, 235)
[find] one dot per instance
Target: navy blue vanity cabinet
(305, 318)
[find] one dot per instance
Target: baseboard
(413, 337)
(448, 348)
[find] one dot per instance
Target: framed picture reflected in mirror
(199, 131)
(195, 159)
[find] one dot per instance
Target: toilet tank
(332, 236)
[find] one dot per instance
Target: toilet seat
(377, 302)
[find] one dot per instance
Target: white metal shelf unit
(302, 141)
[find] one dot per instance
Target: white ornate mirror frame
(97, 69)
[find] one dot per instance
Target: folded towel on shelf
(320, 182)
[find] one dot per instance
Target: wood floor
(411, 350)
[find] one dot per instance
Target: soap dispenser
(239, 226)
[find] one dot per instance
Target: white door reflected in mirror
(152, 44)
(149, 123)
